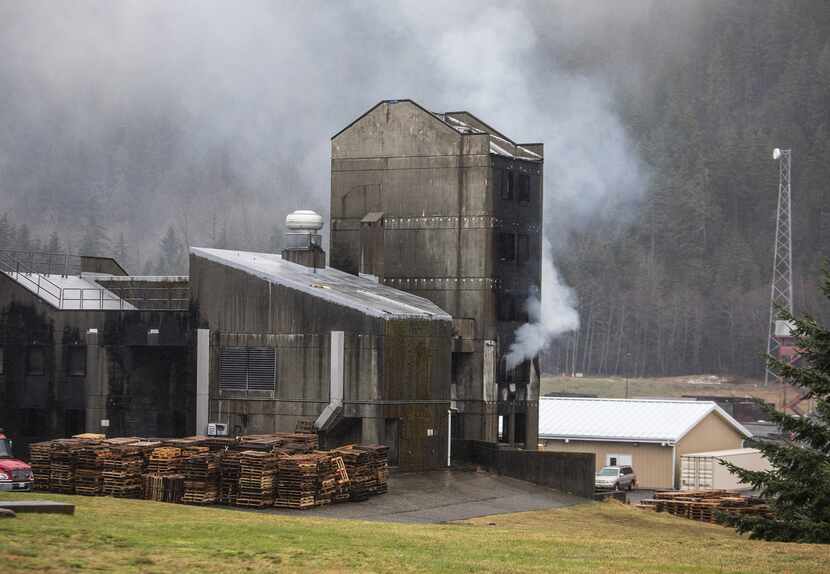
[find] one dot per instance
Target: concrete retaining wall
(569, 472)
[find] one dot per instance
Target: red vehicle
(14, 474)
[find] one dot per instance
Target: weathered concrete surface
(43, 506)
(444, 496)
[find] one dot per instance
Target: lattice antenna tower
(781, 289)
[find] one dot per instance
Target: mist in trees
(137, 129)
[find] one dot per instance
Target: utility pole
(781, 288)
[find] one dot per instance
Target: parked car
(616, 478)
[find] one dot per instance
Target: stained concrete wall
(396, 372)
(142, 386)
(439, 192)
(567, 472)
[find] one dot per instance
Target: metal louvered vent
(247, 369)
(262, 368)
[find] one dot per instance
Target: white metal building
(649, 434)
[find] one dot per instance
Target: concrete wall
(142, 385)
(567, 472)
(438, 191)
(396, 372)
(651, 462)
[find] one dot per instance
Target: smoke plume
(551, 316)
(215, 118)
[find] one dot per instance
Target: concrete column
(202, 379)
(96, 387)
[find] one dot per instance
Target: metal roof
(625, 420)
(362, 294)
(728, 452)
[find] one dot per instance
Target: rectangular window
(524, 188)
(507, 185)
(36, 361)
(247, 369)
(76, 361)
(506, 246)
(523, 248)
(2, 362)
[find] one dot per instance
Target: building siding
(651, 462)
(712, 433)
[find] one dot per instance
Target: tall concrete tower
(446, 207)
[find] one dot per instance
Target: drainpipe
(449, 437)
(202, 380)
(673, 465)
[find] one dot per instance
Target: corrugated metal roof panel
(630, 420)
(330, 284)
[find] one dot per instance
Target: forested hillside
(138, 129)
(685, 288)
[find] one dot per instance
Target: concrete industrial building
(650, 435)
(446, 207)
(84, 347)
(436, 245)
(286, 342)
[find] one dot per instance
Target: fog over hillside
(202, 122)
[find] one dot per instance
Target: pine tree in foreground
(797, 487)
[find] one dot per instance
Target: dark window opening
(36, 361)
(506, 246)
(247, 369)
(521, 428)
(524, 188)
(2, 362)
(74, 422)
(523, 248)
(507, 185)
(506, 307)
(76, 361)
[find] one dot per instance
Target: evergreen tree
(23, 242)
(797, 487)
(170, 260)
(7, 232)
(95, 240)
(54, 245)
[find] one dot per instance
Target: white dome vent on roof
(304, 220)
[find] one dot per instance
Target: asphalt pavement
(444, 496)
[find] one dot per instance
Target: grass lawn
(614, 387)
(112, 535)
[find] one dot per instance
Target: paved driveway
(442, 496)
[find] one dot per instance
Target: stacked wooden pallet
(201, 479)
(163, 487)
(122, 470)
(379, 466)
(298, 480)
(703, 505)
(229, 467)
(89, 479)
(39, 458)
(257, 471)
(166, 460)
(367, 469)
(62, 465)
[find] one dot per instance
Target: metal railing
(33, 268)
(44, 262)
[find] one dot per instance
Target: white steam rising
(554, 315)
